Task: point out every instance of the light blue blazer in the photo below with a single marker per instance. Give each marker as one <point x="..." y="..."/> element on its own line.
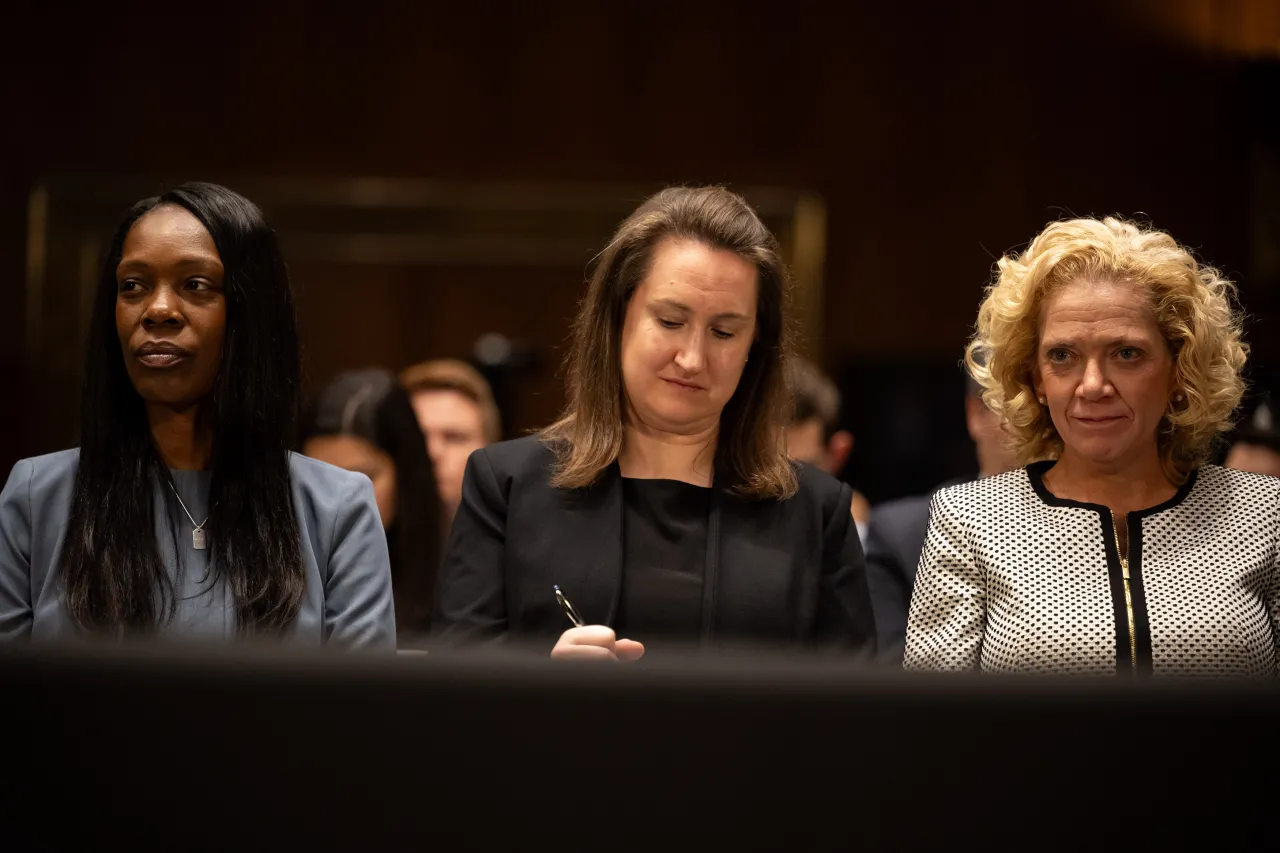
<point x="348" y="598"/>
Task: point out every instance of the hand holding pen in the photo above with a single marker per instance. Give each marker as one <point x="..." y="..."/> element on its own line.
<point x="597" y="642"/>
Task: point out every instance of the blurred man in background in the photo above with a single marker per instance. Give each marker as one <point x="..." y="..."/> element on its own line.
<point x="1257" y="444"/>
<point x="458" y="415"/>
<point x="895" y="534"/>
<point x="814" y="435"/>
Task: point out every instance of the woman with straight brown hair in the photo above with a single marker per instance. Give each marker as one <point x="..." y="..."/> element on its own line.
<point x="662" y="504"/>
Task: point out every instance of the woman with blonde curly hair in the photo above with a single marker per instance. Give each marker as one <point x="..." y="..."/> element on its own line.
<point x="1114" y="360"/>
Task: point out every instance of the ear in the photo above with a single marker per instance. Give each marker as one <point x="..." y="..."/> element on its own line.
<point x="838" y="450"/>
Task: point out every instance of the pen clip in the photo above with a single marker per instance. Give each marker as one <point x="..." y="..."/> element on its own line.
<point x="567" y="606"/>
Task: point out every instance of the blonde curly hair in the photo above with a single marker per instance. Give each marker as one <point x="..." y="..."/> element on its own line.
<point x="1195" y="309"/>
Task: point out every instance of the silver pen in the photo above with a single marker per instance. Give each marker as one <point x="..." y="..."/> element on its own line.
<point x="569" y="610"/>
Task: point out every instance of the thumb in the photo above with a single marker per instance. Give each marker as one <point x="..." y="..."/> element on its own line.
<point x="628" y="650"/>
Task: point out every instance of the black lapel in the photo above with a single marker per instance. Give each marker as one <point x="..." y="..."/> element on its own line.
<point x="711" y="574"/>
<point x="592" y="548"/>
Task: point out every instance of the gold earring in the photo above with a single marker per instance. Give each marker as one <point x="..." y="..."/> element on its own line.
<point x="1042" y="400"/>
<point x="1179" y="397"/>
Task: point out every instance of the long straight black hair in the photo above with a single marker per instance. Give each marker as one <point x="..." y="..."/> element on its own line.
<point x="111" y="565"/>
<point x="373" y="405"/>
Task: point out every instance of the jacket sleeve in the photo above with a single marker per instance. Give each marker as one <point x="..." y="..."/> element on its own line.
<point x="359" y="610"/>
<point x="15" y="555"/>
<point x="948" y="614"/>
<point x="1273" y="607"/>
<point x="471" y="592"/>
<point x="844" y="618"/>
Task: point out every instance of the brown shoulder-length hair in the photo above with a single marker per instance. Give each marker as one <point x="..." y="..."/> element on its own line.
<point x="751" y="457"/>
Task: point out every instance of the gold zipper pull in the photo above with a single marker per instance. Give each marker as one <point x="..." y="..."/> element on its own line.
<point x="1128" y="593"/>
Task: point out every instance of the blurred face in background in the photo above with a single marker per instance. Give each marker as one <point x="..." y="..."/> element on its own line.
<point x="685" y="337"/>
<point x="454" y="428"/>
<point x="990" y="441"/>
<point x="807" y="442"/>
<point x="356" y="454"/>
<point x="1257" y="458"/>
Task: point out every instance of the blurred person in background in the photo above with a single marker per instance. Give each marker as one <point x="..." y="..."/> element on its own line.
<point x="662" y="503"/>
<point x="457" y="414"/>
<point x="814" y="435"/>
<point x="363" y="422"/>
<point x="183" y="513"/>
<point x="895" y="534"/>
<point x="1114" y="359"/>
<point x="1256" y="446"/>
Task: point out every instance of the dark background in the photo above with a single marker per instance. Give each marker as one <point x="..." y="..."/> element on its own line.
<point x="939" y="136"/>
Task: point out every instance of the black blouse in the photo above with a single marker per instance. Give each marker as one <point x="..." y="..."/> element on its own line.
<point x="664" y="557"/>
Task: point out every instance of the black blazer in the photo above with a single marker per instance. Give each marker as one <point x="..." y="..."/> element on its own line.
<point x="786" y="573"/>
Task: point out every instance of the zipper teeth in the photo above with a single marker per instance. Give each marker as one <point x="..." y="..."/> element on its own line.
<point x="1128" y="597"/>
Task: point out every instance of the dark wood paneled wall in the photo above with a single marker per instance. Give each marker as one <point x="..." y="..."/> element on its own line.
<point x="940" y="135"/>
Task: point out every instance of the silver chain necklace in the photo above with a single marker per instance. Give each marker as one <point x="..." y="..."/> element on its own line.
<point x="197" y="535"/>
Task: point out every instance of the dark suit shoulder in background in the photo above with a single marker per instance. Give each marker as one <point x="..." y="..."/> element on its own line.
<point x="895" y="538"/>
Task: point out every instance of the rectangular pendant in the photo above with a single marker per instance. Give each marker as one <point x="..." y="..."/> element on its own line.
<point x="197" y="539"/>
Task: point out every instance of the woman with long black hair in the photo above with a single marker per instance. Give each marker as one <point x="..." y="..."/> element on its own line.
<point x="363" y="421"/>
<point x="183" y="512"/>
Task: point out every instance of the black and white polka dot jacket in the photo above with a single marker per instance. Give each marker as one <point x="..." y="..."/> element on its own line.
<point x="1014" y="579"/>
